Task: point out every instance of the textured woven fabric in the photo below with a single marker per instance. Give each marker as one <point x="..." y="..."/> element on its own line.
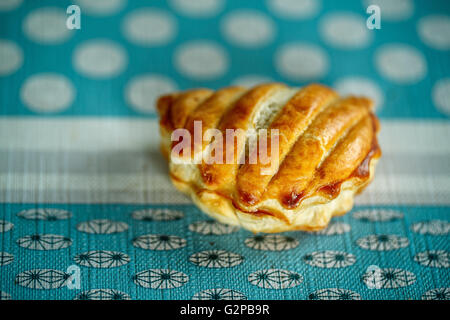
<point x="294" y="265"/>
<point x="87" y="210"/>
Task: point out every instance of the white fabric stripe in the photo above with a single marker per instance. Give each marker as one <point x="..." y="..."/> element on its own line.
<point x="138" y="188"/>
<point x="420" y="136"/>
<point x="78" y="134"/>
<point x="150" y="162"/>
<point x="106" y="160"/>
<point x="87" y="188"/>
<point x="93" y="134"/>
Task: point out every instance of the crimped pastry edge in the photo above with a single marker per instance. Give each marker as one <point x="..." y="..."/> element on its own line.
<point x="312" y="214"/>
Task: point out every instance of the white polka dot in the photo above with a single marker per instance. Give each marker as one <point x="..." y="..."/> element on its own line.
<point x="301" y="61"/>
<point x="198" y="8"/>
<point x="295" y="9"/>
<point x="149" y="27"/>
<point x="360" y="86"/>
<point x="142" y="91"/>
<point x="435" y="31"/>
<point x="248" y="28"/>
<point x="101" y="7"/>
<point x="345" y="30"/>
<point x="7" y="5"/>
<point x="47" y="92"/>
<point x="47" y="26"/>
<point x="401" y="63"/>
<point x="251" y="80"/>
<point x="201" y="60"/>
<point x="393" y="10"/>
<point x="11" y="57"/>
<point x="99" y="58"/>
<point x="441" y="95"/>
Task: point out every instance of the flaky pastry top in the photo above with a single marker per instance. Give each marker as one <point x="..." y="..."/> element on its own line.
<point x="324" y="140"/>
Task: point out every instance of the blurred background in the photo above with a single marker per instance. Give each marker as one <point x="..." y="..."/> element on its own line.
<point x="126" y="53"/>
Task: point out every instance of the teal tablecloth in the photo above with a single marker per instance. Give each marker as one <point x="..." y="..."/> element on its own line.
<point x="87" y="210"/>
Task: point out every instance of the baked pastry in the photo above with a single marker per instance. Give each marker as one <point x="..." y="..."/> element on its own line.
<point x="326" y="153"/>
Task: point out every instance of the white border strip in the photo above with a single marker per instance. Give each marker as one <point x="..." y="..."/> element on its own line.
<point x="93" y="134"/>
<point x="135" y="188"/>
<point x="102" y="146"/>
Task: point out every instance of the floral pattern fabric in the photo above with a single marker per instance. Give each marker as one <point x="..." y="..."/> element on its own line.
<point x="125" y="256"/>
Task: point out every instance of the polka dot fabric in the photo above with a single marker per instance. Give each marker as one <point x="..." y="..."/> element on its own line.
<point x="137" y="50"/>
<point x="86" y="189"/>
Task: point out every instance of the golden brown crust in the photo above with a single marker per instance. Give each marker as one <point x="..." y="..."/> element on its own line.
<point x="295" y="174"/>
<point x="222" y="176"/>
<point x="327" y="153"/>
<point x="212" y="110"/>
<point x="185" y="103"/>
<point x="163" y="106"/>
<point x="292" y="120"/>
